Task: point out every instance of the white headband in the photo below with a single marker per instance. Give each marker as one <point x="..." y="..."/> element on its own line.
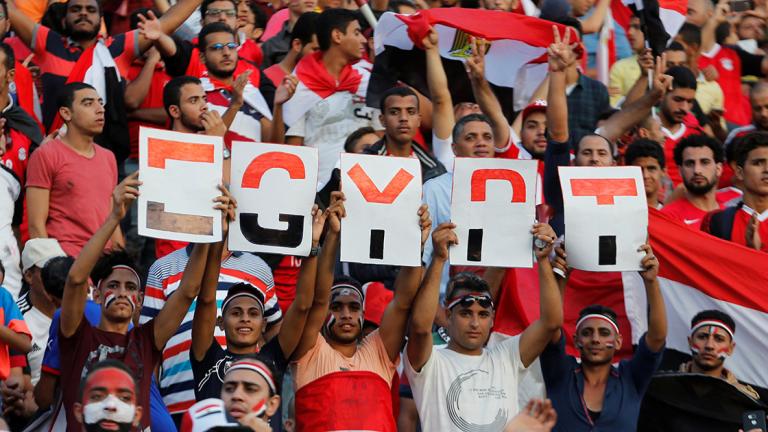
<point x="598" y="316"/>
<point x="715" y="323"/>
<point x="255" y="367"/>
<point x="124" y="267"/>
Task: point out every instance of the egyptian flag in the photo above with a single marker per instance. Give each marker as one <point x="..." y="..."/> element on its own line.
<point x="316" y="84"/>
<point x="515" y="59"/>
<point x="661" y="19"/>
<point x="697" y="272"/>
<point x="97" y="68"/>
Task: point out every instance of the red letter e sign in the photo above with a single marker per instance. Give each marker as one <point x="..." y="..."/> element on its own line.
<point x="179" y="174"/>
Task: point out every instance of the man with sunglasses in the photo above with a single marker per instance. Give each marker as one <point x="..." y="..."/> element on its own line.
<point x="466" y="386"/>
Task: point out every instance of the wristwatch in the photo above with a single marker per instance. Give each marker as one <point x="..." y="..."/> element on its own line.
<point x="315" y="251"/>
<point x="227" y="153"/>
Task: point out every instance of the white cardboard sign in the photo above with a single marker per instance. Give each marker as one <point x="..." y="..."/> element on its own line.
<point x="180" y="173"/>
<point x="606" y="217"/>
<point x="494" y="207"/>
<point x="383" y="195"/>
<point x="274" y="186"/>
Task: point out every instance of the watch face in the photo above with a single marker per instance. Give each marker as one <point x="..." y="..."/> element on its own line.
<point x="227" y="153"/>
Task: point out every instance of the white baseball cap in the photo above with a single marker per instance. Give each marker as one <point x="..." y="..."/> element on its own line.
<point x="38" y="251"/>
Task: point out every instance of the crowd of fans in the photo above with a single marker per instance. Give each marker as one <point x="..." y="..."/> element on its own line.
<point x="103" y="329"/>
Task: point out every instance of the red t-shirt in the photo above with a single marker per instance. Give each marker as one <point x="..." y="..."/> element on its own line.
<point x="75" y="183"/>
<point x="275" y="74"/>
<point x="16" y="156"/>
<point x="685" y="212"/>
<point x="251" y="51"/>
<point x="90" y="345"/>
<point x="689" y="127"/>
<point x="728" y="65"/>
<point x="153" y="99"/>
<point x="286" y="274"/>
<point x="740" y="222"/>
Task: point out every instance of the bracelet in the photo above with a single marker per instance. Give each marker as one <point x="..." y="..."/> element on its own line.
<point x="315" y="251"/>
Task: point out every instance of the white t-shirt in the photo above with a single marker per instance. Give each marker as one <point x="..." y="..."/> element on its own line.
<point x="38" y="324"/>
<point x="467" y="393"/>
<point x="327" y="124"/>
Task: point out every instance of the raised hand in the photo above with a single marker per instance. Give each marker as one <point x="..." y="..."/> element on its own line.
<point x="150" y="27"/>
<point x="336" y="211"/>
<point x="238" y="87"/>
<point x="286" y="89"/>
<point x="442" y="238"/>
<point x="227" y="204"/>
<point x="561" y="52"/>
<point x="213" y="125"/>
<point x="661" y="82"/>
<point x="546" y="236"/>
<point x="475" y="64"/>
<point x="425" y="222"/>
<point x="430" y="40"/>
<point x="538" y="416"/>
<point x="318" y="223"/>
<point x="645" y="60"/>
<point x="560" y="262"/>
<point x="124" y="194"/>
<point x="650" y="263"/>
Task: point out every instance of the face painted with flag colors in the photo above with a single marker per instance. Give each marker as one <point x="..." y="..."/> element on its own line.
<point x="344" y="323"/>
<point x="249" y="387"/>
<point x="711" y="342"/>
<point x="108" y="402"/>
<point x="119" y="293"/>
<point x="597" y="338"/>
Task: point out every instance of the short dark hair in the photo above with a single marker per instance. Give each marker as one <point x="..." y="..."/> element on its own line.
<point x="690" y="34"/>
<point x="699" y="141"/>
<point x="682" y="77"/>
<point x="644" y="147"/>
<point x="599" y="310"/>
<point x="570" y="21"/>
<point x="458" y="128"/>
<point x="209" y="29"/>
<point x="134" y="18"/>
<point x="712" y="314"/>
<point x="66" y="95"/>
<point x="465" y="281"/>
<point x="722" y="31"/>
<point x="355" y="136"/>
<point x="108" y="364"/>
<point x="106" y="262"/>
<point x="305" y="27"/>
<point x="98" y="6"/>
<point x="401" y="91"/>
<point x="330" y="20"/>
<point x="206" y="3"/>
<point x="260" y="17"/>
<point x="674" y="46"/>
<point x="10" y="58"/>
<point x="54" y="275"/>
<point x="53" y="16"/>
<point x="747" y="143"/>
<point x="611" y="146"/>
<point x="393" y="5"/>
<point x="172" y="91"/>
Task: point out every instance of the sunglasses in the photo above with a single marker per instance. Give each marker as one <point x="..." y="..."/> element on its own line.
<point x="221" y="46"/>
<point x="468" y="300"/>
<point x="217" y="12"/>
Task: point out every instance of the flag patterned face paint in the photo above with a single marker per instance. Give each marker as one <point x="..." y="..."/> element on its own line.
<point x="110" y="297"/>
<point x="101" y="401"/>
<point x="705" y="331"/>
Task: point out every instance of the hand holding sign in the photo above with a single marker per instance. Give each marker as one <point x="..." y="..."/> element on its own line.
<point x="546" y="235"/>
<point x="650" y="263"/>
<point x="442" y="239"/>
<point x="125" y="194"/>
<point x="227" y="205"/>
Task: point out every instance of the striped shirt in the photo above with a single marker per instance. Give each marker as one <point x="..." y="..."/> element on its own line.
<point x="176" y="379"/>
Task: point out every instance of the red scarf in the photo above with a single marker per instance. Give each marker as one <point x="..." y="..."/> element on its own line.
<point x="312" y="73"/>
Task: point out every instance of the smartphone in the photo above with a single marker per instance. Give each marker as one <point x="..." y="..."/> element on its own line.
<point x="753" y="420"/>
<point x="740" y="5"/>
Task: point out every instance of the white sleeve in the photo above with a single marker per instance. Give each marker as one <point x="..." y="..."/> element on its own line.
<point x="299" y="128"/>
<point x="510" y="349"/>
<point x="443" y="150"/>
<point x="513" y="138"/>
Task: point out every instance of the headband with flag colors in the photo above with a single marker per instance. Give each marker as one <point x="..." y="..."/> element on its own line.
<point x="123" y="267"/>
<point x="711" y="322"/>
<point x="516" y="56"/>
<point x="257" y="367"/>
<point x="605" y="318"/>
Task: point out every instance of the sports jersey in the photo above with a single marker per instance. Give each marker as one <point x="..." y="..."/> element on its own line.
<point x="683" y="211"/>
<point x="728" y="65"/>
<point x="39" y="325"/>
<point x="729" y="196"/>
<point x="275" y="73"/>
<point x="689" y="126"/>
<point x="741" y="221"/>
<point x="10" y="317"/>
<point x="153" y="99"/>
<point x="176" y="378"/>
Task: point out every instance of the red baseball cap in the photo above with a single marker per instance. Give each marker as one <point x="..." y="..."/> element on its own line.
<point x="539" y="105"/>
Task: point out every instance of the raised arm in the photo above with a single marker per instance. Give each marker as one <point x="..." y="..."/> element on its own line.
<point x="151" y="30"/>
<point x="657" y="313"/>
<point x="419" y="347"/>
<point x="633" y="113"/>
<point x="136" y="91"/>
<point x="594" y="22"/>
<point x="176" y="307"/>
<point x="76" y="286"/>
<point x="395" y="318"/>
<point x="442" y="105"/>
<point x="484" y="96"/>
<point x="325" y="266"/>
<point x="720" y="15"/>
<point x="561" y="56"/>
<point x="22" y="25"/>
<point x="204" y="320"/>
<point x="640" y="87"/>
<point x="295" y="317"/>
<point x="538" y="335"/>
<point x="172" y="19"/>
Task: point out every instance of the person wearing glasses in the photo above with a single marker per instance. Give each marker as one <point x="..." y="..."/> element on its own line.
<point x="464" y="385"/>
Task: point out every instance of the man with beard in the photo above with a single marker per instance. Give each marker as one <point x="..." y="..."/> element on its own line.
<point x="758" y="98"/>
<point x="700" y="159"/>
<point x="343" y="380"/>
<point x="745" y="223"/>
<point x="677" y="122"/>
<point x="109" y="399"/>
<point x="57" y="55"/>
<point x="593" y="394"/>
